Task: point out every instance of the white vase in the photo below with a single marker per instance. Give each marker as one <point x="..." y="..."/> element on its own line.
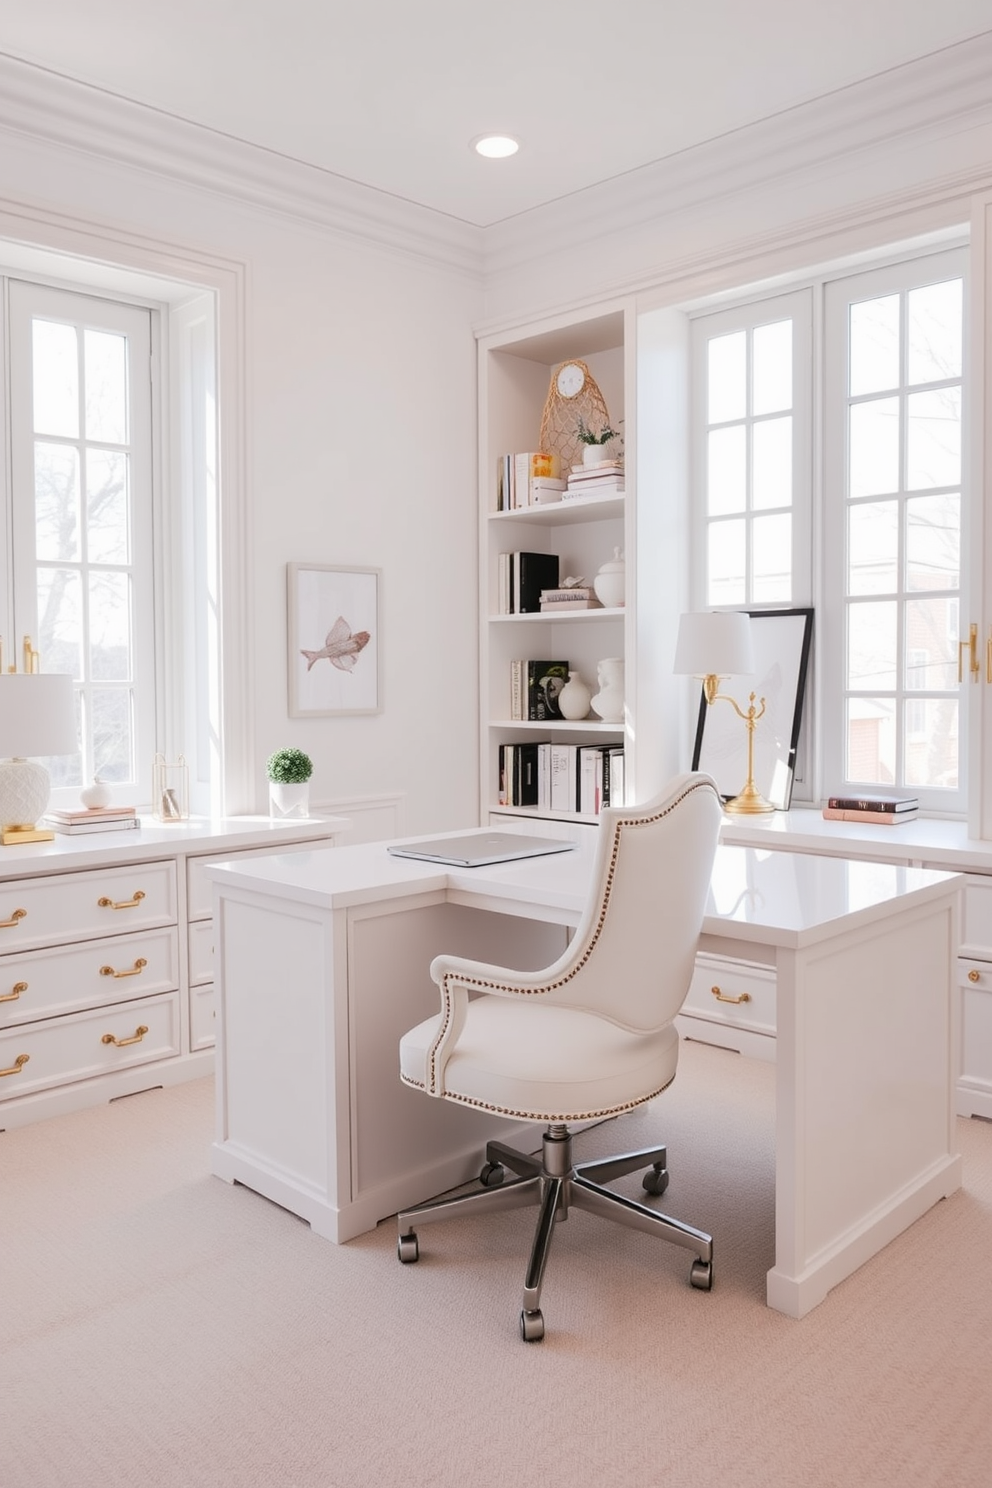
<point x="574" y="698"/>
<point x="610" y="582"/>
<point x="608" y="702"/>
<point x="289" y="802"/>
<point x="96" y="795"/>
<point x="594" y="454"/>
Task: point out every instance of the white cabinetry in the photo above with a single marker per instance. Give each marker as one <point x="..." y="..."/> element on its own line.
<point x="106" y="959"/>
<point x="515" y="375"/>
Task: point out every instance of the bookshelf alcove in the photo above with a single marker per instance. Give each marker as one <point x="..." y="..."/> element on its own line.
<point x="515" y="375"/>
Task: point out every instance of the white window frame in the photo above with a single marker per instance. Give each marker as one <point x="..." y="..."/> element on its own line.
<point x="839" y="292"/>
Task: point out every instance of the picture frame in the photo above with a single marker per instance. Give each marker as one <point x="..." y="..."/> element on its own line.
<point x="334" y="640"/>
<point x="782" y="641"/>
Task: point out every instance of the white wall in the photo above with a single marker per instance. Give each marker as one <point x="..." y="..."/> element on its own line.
<point x="358" y="445"/>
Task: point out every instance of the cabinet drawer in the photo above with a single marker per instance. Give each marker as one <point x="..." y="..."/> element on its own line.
<point x="734" y="993"/>
<point x="202" y="1017"/>
<point x="61" y="1050"/>
<point x="976" y="917"/>
<point x="975" y="1058"/>
<point x="83" y="906"/>
<point x="201" y="951"/>
<point x="66" y="979"/>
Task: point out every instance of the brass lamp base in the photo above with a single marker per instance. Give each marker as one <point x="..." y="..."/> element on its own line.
<point x="750" y="802"/>
<point x="11" y="836"/>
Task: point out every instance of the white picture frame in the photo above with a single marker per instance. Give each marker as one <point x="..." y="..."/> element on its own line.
<point x="781" y="640"/>
<point x="335" y="652"/>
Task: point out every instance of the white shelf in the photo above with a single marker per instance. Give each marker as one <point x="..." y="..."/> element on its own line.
<point x="561" y="513"/>
<point x="558" y="725"/>
<point x="555" y="618"/>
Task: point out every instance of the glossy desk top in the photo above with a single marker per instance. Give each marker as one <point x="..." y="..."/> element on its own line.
<point x="770" y="898"/>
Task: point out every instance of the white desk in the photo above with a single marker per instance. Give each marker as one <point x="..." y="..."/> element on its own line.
<point x="322" y="965"/>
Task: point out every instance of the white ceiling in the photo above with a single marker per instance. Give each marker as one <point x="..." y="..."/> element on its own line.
<point x="391" y="92"/>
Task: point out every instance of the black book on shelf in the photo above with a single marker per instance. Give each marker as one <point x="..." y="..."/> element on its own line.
<point x="532" y="572"/>
<point x="545" y="680"/>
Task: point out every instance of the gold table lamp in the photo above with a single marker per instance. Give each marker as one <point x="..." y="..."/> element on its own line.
<point x="714" y="645"/>
<point x="37" y="717"/>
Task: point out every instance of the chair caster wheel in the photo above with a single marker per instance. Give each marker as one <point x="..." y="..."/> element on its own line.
<point x="408" y="1248"/>
<point x="492" y="1175"/>
<point x="655" y="1180"/>
<point x="701" y="1275"/>
<point x="532" y="1326"/>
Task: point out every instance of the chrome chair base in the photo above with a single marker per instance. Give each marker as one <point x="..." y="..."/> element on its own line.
<point x="554" y="1184"/>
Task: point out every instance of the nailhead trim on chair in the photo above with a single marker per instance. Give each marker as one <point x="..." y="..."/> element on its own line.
<point x="468" y="1100"/>
<point x="478" y="984"/>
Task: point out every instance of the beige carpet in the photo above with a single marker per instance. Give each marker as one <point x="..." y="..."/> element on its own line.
<point x="161" y="1329"/>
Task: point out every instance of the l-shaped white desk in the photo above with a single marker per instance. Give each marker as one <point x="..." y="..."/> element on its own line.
<point x="322" y="963"/>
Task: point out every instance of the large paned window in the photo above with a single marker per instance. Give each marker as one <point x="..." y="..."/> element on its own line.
<point x="827" y="442"/>
<point x="78" y="575"/>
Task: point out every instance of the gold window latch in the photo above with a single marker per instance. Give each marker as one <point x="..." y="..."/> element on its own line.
<point x="971" y="646"/>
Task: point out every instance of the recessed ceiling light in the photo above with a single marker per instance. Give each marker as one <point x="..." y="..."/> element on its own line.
<point x="496" y="146"/>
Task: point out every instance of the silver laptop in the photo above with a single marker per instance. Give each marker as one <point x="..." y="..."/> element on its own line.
<point x="473" y="851"/>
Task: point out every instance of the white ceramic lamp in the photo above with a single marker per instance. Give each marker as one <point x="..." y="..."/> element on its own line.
<point x="717" y="644"/>
<point x="37" y="717"/>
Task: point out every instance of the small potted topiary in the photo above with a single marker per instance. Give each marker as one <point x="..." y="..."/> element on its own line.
<point x="289" y="772"/>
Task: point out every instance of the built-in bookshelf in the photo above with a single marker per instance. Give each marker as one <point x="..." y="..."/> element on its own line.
<point x="583" y="532"/>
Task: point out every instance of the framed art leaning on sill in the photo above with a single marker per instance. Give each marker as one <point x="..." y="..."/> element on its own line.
<point x="334" y="640"/>
<point x="781" y="641"/>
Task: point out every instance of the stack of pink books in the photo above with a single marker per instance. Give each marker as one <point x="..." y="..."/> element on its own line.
<point x="94" y="819"/>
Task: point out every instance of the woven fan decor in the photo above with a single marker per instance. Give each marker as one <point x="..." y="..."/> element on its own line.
<point x="560" y="420"/>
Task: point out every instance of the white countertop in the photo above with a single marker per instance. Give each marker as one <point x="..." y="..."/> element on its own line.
<point x="779" y="898"/>
<point x="155" y="839"/>
<point x="930" y="840"/>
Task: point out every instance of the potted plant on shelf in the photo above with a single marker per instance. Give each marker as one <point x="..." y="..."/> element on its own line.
<point x="289" y="772"/>
<point x="593" y="452"/>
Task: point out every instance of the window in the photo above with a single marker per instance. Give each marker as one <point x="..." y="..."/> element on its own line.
<point x="870" y="533"/>
<point x="752" y="448"/>
<point x="79" y="572"/>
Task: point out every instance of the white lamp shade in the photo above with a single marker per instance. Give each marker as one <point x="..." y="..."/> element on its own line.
<point x="37" y="715"/>
<point x="716" y="643"/>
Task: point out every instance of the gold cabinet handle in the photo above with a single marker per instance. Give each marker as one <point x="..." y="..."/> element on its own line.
<point x="106" y="903"/>
<point x="971" y="646"/>
<point x="17" y="1066"/>
<point x="15" y="992"/>
<point x="744" y="997"/>
<point x="139" y="1033"/>
<point x="136" y="969"/>
<point x="974" y="976"/>
<point x="19" y="914"/>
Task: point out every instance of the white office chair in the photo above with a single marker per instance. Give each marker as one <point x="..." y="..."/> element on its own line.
<point x="589" y="1037"/>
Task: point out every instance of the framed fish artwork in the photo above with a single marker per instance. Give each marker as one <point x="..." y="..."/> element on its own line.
<point x="334" y="647"/>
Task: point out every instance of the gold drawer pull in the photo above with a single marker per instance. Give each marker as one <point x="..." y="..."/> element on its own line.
<point x="744" y="997"/>
<point x="139" y="1033"/>
<point x="974" y="976"/>
<point x="136" y="969"/>
<point x="17" y="1066"/>
<point x="19" y="914"/>
<point x="106" y="903"/>
<point x="15" y="992"/>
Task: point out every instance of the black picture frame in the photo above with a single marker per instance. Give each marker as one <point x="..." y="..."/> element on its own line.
<point x="782" y="641"/>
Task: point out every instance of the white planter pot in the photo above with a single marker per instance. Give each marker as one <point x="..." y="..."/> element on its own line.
<point x="289" y="802"/>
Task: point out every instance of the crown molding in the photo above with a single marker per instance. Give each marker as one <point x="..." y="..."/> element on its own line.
<point x="941" y="94"/>
<point x="45" y="106"/>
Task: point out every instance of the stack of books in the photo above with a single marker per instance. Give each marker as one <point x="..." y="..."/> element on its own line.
<point x="528" y="479"/>
<point x="96" y="819"/>
<point x="604" y="479"/>
<point x="521" y="579"/>
<point x="573" y="779"/>
<point x="534" y="689"/>
<point x="884" y="809"/>
<point x="575" y="597"/>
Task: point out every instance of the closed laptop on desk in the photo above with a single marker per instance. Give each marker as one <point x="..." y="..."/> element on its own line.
<point x="474" y="851"/>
